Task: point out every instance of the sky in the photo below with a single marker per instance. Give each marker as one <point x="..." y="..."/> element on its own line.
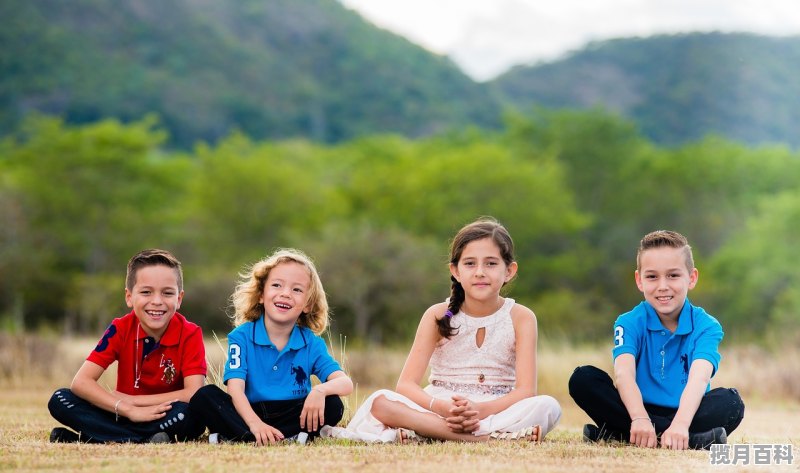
<point x="486" y="37"/>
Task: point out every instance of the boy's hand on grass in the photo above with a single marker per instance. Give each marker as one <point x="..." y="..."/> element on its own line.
<point x="676" y="437"/>
<point x="643" y="434"/>
<point x="265" y="434"/>
<point x="313" y="415"/>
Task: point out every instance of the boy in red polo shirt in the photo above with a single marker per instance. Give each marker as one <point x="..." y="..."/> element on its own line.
<point x="161" y="363"/>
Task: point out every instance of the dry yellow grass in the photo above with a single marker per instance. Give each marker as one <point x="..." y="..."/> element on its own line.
<point x="772" y="417"/>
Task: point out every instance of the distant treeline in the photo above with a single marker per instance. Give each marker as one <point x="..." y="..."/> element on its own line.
<point x="576" y="190"/>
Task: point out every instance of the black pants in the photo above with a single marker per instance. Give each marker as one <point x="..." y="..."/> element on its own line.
<point x="594" y="392"/>
<point x="96" y="425"/>
<point x="216" y="407"/>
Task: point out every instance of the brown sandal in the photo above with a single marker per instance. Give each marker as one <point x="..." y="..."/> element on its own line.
<point x="528" y="434"/>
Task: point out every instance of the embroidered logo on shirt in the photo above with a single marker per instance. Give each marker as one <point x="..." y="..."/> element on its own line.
<point x="685" y="361"/>
<point x="300" y="376"/>
<point x="169" y="370"/>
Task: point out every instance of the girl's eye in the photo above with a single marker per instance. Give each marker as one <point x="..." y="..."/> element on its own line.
<point x="297" y="289"/>
<point x="275" y="285"/>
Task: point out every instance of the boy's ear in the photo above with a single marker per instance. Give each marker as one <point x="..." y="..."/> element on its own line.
<point x="128" y="298"/>
<point x="180" y="299"/>
<point x="638" y="278"/>
<point x="693" y="276"/>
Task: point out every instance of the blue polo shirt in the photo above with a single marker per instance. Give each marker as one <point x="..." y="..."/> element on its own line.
<point x="663" y="358"/>
<point x="272" y="375"/>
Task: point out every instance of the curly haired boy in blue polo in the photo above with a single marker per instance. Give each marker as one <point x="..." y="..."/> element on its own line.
<point x="665" y="353"/>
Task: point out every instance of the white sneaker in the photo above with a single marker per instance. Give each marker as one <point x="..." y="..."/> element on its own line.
<point x="213" y="438"/>
<point x="300" y="438"/>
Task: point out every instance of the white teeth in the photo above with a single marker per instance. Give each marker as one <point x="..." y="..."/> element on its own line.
<point x="283" y="306"/>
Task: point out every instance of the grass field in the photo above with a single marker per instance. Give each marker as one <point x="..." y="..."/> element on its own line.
<point x="772" y="416"/>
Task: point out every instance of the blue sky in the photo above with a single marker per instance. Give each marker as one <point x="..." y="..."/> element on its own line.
<point x="486" y="37"/>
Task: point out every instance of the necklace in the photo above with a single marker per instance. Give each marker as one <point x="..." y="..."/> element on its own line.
<point x="137" y="375"/>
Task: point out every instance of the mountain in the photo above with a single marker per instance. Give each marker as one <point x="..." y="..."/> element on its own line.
<point x="278" y="69"/>
<point x="270" y="68"/>
<point x="677" y="88"/>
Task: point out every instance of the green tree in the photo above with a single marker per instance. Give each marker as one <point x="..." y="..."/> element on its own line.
<point x="754" y="277"/>
<point x="82" y="200"/>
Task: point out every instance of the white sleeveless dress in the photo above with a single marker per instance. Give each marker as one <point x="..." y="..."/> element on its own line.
<point x="459" y="366"/>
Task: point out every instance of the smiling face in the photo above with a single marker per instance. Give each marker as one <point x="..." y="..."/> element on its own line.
<point x="154" y="298"/>
<point x="665" y="280"/>
<point x="285" y="293"/>
<point x="482" y="271"/>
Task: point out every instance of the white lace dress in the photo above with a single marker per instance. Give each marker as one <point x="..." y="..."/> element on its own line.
<point x="459" y="366"/>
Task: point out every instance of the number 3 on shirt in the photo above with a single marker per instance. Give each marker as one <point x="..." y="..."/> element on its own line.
<point x="618" y="331"/>
<point x="234" y="353"/>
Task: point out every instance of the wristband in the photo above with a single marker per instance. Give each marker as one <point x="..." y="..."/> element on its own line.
<point x="430" y="406"/>
<point x="640" y="418"/>
<point x="116" y="410"/>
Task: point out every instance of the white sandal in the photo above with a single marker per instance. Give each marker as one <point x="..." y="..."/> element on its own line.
<point x="409" y="437"/>
<point x="529" y="434"/>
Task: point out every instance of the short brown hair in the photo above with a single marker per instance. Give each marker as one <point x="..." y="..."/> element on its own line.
<point x="152" y="257"/>
<point x="665" y="238"/>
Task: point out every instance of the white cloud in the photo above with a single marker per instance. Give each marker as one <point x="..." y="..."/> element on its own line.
<point x="486" y="37"/>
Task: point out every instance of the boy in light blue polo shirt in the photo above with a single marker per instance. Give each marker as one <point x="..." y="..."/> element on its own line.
<point x="665" y="353"/>
<point x="280" y="310"/>
<point x="272" y="374"/>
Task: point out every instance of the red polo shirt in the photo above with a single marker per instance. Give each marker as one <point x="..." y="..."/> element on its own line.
<point x="179" y="353"/>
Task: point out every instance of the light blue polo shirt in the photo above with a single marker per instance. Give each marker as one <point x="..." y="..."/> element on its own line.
<point x="663" y="358"/>
<point x="270" y="375"/>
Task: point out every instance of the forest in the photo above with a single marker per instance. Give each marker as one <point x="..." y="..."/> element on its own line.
<point x="221" y="130"/>
<point x="576" y="189"/>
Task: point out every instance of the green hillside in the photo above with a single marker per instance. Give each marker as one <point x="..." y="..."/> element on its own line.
<point x="270" y="68"/>
<point x="277" y="69"/>
<point x="677" y="88"/>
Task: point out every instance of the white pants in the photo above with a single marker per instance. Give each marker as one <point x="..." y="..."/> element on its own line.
<point x="539" y="410"/>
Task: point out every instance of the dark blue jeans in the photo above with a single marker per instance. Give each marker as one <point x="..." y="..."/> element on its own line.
<point x="595" y="393"/>
<point x="96" y="425"/>
<point x="216" y="407"/>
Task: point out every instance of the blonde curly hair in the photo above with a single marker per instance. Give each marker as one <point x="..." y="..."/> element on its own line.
<point x="246" y="297"/>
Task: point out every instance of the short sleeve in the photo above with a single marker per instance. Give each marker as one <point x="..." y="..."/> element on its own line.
<point x="194" y="354"/>
<point x="707" y="345"/>
<point x="108" y="348"/>
<point x="627" y="336"/>
<point x="324" y="364"/>
<point x="236" y="365"/>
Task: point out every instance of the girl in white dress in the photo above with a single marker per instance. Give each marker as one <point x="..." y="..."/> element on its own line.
<point x="481" y="348"/>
